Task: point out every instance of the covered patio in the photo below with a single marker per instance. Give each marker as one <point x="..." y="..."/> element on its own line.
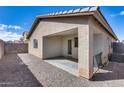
<point x="83" y="59"/>
<point x="60" y="50"/>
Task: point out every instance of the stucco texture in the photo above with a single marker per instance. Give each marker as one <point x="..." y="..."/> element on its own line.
<point x="52" y="26"/>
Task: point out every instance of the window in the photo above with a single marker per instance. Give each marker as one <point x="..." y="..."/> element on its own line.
<point x="35" y="43"/>
<point x="76" y="42"/>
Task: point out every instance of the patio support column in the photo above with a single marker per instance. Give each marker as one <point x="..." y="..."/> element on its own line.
<point x="41" y="41"/>
<point x="85" y="52"/>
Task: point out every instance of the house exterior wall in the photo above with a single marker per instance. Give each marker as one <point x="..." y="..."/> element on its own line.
<point x="35" y="51"/>
<point x="102" y="42"/>
<point x="101" y="45"/>
<point x="52" y="26"/>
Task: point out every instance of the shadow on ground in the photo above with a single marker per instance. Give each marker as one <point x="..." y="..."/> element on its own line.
<point x="113" y="71"/>
<point x="14" y="73"/>
<point x="63" y="58"/>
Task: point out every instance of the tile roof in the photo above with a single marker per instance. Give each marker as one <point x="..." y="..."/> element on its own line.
<point x="75" y="12"/>
<point x="72" y="11"/>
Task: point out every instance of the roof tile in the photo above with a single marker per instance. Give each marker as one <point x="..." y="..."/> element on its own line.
<point x="65" y="12"/>
<point x="93" y="8"/>
<point x="85" y="9"/>
<point x="77" y="10"/>
<point x="60" y="13"/>
<point x="70" y="11"/>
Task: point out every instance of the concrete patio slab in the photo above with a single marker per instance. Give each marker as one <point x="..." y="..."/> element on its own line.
<point x="68" y="65"/>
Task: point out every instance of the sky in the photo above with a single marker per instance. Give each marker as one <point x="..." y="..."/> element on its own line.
<point x="14" y="20"/>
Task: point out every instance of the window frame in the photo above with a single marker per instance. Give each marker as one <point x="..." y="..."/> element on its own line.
<point x="35" y="43"/>
<point x="76" y="42"/>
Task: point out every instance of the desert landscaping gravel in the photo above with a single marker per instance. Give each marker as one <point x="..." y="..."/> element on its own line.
<point x="27" y="70"/>
<point x="50" y="76"/>
<point x="14" y="73"/>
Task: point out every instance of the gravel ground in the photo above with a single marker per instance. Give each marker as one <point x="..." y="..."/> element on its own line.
<point x="51" y="76"/>
<point x="14" y="73"/>
<point x="25" y="70"/>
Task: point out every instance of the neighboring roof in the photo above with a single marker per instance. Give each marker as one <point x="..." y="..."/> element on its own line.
<point x="94" y="11"/>
<point x="26" y="32"/>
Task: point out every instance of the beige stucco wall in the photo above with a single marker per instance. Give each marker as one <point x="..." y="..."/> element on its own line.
<point x="102" y="41"/>
<point x="98" y="43"/>
<point x="52" y="46"/>
<point x="1" y="49"/>
<point x="65" y="46"/>
<point x="85" y="51"/>
<point x="101" y="44"/>
<point x="35" y="51"/>
<point x="52" y="26"/>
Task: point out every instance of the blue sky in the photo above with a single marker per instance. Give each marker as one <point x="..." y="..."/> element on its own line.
<point x="15" y="20"/>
